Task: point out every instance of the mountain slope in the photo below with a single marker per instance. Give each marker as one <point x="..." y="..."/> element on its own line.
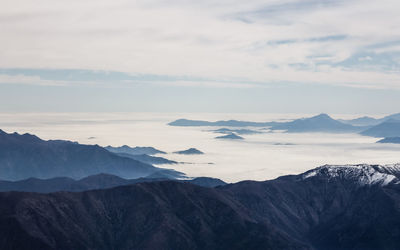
<point x="160" y="215"/>
<point x="370" y="121"/>
<point x="231" y="136"/>
<point x="389" y="128"/>
<point x="25" y="156"/>
<point x="330" y="207"/>
<point x="395" y="140"/>
<point x="148" y="158"/>
<point x="134" y="151"/>
<point x="319" y="123"/>
<point x="190" y="151"/>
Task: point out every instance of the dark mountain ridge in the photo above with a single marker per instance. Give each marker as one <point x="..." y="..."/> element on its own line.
<point x="99" y="181"/>
<point x="330" y="207"/>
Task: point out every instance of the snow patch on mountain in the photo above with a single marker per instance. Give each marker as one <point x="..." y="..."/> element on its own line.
<point x="364" y="174"/>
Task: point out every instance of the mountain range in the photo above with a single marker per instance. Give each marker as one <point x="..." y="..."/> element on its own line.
<point x="330" y="207"/>
<point x="388" y="126"/>
<point x="24" y="155"/>
<point x="318" y="123"/>
<point x="99" y="181"/>
<point x="370" y="121"/>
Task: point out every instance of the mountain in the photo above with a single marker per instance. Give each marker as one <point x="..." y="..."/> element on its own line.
<point x="190" y="151"/>
<point x="231" y="136"/>
<point x="99" y="181"/>
<point x="370" y="121"/>
<point x="330" y="207"/>
<point x="319" y="123"/>
<point x="392" y="117"/>
<point x="134" y="151"/>
<point x="389" y="128"/>
<point x="206" y="182"/>
<point x="363" y="121"/>
<point x="25" y="156"/>
<point x="148" y="159"/>
<point x="236" y="131"/>
<point x="230" y="123"/>
<point x="395" y="140"/>
<point x="158" y="215"/>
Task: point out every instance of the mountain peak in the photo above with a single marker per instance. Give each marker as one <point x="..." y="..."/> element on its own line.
<point x="190" y="151"/>
<point x="364" y="174"/>
<point x="322" y="116"/>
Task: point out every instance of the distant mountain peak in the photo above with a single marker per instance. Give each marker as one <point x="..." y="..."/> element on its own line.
<point x="322" y="116"/>
<point x="363" y="174"/>
<point x="231" y="136"/>
<point x="190" y="151"/>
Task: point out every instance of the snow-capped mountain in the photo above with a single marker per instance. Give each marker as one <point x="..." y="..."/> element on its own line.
<point x="363" y="174"/>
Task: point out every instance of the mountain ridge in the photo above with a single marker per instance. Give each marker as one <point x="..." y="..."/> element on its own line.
<point x="24" y="156"/>
<point x="330" y="209"/>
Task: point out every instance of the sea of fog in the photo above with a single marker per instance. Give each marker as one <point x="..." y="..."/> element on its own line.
<point x="258" y="157"/>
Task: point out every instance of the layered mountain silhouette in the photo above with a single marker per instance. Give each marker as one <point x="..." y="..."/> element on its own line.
<point x="319" y="123"/>
<point x="100" y="181"/>
<point x="370" y="121"/>
<point x="148" y="158"/>
<point x="142" y="154"/>
<point x="25" y="156"/>
<point x="331" y="207"/>
<point x="125" y="149"/>
<point x="389" y="128"/>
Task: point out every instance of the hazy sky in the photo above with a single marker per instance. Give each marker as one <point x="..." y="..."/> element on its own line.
<point x="183" y="55"/>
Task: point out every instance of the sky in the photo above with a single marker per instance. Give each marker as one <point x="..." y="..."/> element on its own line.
<point x="305" y="56"/>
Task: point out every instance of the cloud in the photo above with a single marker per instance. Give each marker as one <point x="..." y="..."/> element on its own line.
<point x="220" y="41"/>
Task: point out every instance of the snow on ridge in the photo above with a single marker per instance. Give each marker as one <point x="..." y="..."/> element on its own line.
<point x="364" y="174"/>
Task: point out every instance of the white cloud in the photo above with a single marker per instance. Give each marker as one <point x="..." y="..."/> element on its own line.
<point x="227" y="39"/>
